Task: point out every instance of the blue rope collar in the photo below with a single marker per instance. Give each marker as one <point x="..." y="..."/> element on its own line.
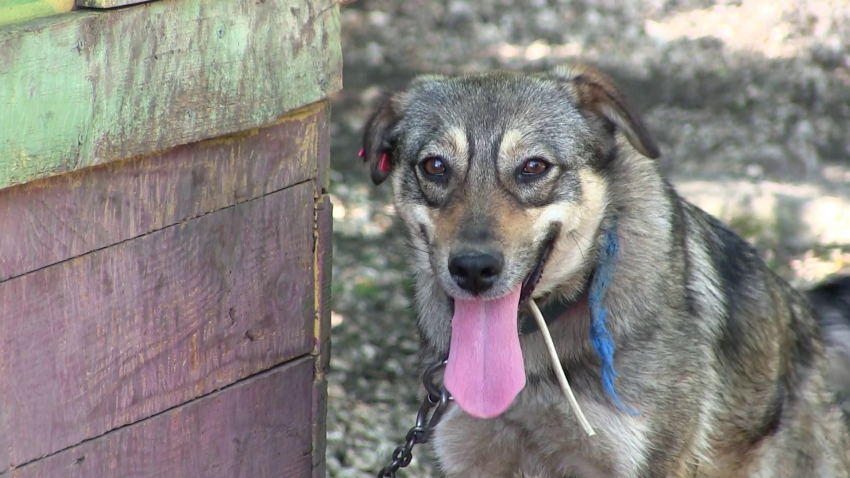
<point x="600" y="337"/>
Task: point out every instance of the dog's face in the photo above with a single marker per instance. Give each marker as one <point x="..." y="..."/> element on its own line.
<point x="497" y="175"/>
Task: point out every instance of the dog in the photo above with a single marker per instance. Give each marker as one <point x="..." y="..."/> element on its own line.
<point x="543" y="186"/>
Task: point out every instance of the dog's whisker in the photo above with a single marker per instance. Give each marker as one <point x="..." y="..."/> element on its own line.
<point x="573" y="235"/>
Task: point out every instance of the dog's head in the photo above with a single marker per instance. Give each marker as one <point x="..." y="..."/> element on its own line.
<point x="497" y="174"/>
<point x="501" y="181"/>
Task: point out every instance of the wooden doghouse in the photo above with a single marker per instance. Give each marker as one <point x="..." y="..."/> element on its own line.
<point x="165" y="237"/>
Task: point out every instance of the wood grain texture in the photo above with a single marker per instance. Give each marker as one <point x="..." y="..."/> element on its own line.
<point x="324" y="260"/>
<point x="17" y="11"/>
<point x="122" y="333"/>
<point x="319" y="428"/>
<point x="48" y="221"/>
<point x="109" y="3"/>
<point x="323" y="179"/>
<point x="259" y="428"/>
<point x="322" y="332"/>
<point x="90" y="87"/>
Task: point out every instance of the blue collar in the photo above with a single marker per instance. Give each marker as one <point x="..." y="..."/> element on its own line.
<point x="600" y="337"/>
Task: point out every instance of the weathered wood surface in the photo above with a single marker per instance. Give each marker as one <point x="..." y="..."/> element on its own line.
<point x="259" y="428"/>
<point x="17" y="11"/>
<point x="319" y="428"/>
<point x="52" y="220"/>
<point x="324" y="257"/>
<point x="322" y="333"/>
<point x="323" y="161"/>
<point x="122" y="333"/>
<point x="109" y="3"/>
<point x="89" y="87"/>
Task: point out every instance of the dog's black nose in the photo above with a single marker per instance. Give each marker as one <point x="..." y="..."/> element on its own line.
<point x="475" y="271"/>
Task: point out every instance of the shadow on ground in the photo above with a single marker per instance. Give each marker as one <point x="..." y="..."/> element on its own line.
<point x="749" y="102"/>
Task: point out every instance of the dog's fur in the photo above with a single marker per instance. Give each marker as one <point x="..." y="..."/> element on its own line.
<point x="724" y="360"/>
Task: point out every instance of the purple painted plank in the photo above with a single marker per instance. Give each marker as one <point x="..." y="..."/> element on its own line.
<point x="259" y="428"/>
<point x="49" y="221"/>
<point x="323" y="153"/>
<point x="125" y="332"/>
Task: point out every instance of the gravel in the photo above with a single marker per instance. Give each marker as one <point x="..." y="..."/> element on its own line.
<point x="748" y="100"/>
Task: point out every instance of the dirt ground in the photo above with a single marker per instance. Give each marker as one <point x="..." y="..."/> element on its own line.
<point x="748" y="100"/>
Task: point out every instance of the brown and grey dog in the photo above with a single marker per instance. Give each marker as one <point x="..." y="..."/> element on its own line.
<point x="508" y="185"/>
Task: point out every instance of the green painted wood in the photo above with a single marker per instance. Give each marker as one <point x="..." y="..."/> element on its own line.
<point x="108" y="3"/>
<point x="90" y="87"/>
<point x="17" y="11"/>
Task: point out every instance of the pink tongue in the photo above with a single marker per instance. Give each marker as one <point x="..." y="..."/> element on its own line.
<point x="485" y="370"/>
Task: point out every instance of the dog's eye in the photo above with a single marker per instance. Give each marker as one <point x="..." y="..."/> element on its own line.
<point x="433" y="166"/>
<point x="534" y="167"/>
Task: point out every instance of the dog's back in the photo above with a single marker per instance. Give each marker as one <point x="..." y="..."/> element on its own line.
<point x="773" y="353"/>
<point x="831" y="305"/>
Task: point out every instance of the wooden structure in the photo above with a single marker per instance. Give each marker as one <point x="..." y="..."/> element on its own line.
<point x="165" y="237"/>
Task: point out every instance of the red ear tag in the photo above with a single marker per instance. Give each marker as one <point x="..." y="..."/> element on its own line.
<point x="360" y="153"/>
<point x="385" y="163"/>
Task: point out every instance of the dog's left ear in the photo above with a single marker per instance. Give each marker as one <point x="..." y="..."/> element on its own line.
<point x="377" y="142"/>
<point x="594" y="92"/>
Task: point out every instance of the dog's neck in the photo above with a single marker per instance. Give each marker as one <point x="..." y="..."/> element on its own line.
<point x="553" y="309"/>
<point x="591" y="297"/>
<point x="557" y="305"/>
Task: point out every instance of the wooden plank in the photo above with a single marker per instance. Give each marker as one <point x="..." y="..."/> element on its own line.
<point x="120" y="334"/>
<point x="322" y="332"/>
<point x="323" y="179"/>
<point x="17" y="11"/>
<point x="322" y="268"/>
<point x="52" y="220"/>
<point x="108" y="3"/>
<point x="90" y="87"/>
<point x="259" y="428"/>
<point x="319" y="428"/>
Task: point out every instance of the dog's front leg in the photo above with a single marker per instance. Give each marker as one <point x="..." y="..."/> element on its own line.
<point x="474" y="448"/>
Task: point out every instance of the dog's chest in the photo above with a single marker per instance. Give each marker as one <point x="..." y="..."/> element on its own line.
<point x="540" y="437"/>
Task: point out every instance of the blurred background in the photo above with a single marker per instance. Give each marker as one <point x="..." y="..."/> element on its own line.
<point x="748" y="100"/>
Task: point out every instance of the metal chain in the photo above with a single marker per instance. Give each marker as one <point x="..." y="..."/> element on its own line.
<point x="437" y="398"/>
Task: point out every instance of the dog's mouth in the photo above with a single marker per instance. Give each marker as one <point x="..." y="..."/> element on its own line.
<point x="485" y="369"/>
<point x="533" y="277"/>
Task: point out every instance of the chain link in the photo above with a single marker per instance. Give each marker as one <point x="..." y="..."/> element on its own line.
<point x="436" y="398"/>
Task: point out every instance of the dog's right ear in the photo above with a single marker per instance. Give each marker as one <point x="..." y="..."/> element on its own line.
<point x="377" y="149"/>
